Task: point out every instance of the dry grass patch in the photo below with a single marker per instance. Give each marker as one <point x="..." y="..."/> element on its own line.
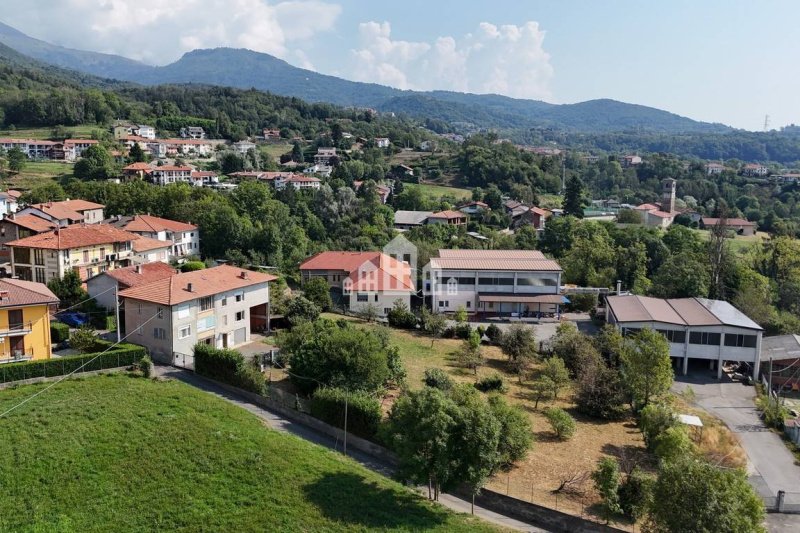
<point x="716" y="442"/>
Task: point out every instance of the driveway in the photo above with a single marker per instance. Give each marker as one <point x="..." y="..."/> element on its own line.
<point x="770" y="466"/>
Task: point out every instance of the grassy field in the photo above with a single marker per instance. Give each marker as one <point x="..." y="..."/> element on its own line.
<point x="551" y="201"/>
<point x="121" y="453"/>
<point x="36" y="173"/>
<point x="275" y="151"/>
<point x="75" y="132"/>
<point x="739" y="243"/>
<point x="534" y="478"/>
<point x="437" y="191"/>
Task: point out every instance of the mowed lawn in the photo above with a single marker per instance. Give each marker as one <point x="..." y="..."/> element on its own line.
<point x="83" y="131"/>
<point x="739" y="243"/>
<point x="435" y="192"/>
<point x="37" y="173"/>
<point x="122" y="453"/>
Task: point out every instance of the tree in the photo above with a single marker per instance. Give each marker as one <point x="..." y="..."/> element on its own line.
<point x="606" y="481"/>
<point x="516" y="434"/>
<point x="575" y="197"/>
<point x="557" y="372"/>
<point x="16" y="159"/>
<point x="368" y="312"/>
<point x="192" y="266"/>
<point x="68" y="289"/>
<point x="136" y="154"/>
<point x="317" y="291"/>
<point x="562" y="423"/>
<point x="646" y="366"/>
<point x="438" y="379"/>
<point x="460" y="316"/>
<point x="400" y="316"/>
<point x="575" y="348"/>
<point x="470" y="353"/>
<point x="433" y="324"/>
<point x="519" y="344"/>
<point x="681" y="276"/>
<point x="297" y="153"/>
<point x="300" y="308"/>
<point x="95" y="164"/>
<point x="83" y="339"/>
<point x="692" y="495"/>
<point x="231" y="162"/>
<point x="635" y="493"/>
<point x="542" y="388"/>
<point x="629" y="216"/>
<point x="600" y="392"/>
<point x="673" y="444"/>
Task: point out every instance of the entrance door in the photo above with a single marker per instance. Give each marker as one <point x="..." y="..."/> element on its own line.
<point x="239" y="336"/>
<point x="17" y="346"/>
<point x="15" y="319"/>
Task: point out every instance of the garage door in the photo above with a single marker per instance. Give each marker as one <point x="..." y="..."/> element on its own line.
<point x="239" y="336"/>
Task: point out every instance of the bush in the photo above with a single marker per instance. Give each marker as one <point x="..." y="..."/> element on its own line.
<point x="634" y="493"/>
<point x="59" y="332"/>
<point x="673" y="444"/>
<point x="400" y="316"/>
<point x="462" y="331"/>
<point x="774" y="414"/>
<point x="146" y="366"/>
<point x="583" y="302"/>
<point x="437" y="379"/>
<point x="191" y="266"/>
<point x="300" y="308"/>
<point x="84" y="339"/>
<point x="363" y="410"/>
<point x="121" y="355"/>
<point x="562" y="423"/>
<point x="227" y="366"/>
<point x="493" y="383"/>
<point x="654" y="420"/>
<point x="494" y="333"/>
<point x="316" y="290"/>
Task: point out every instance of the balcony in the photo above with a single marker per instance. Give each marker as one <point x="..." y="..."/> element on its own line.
<point x="16" y="356"/>
<point x="16" y="329"/>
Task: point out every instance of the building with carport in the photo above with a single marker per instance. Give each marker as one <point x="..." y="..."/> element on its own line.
<point x="695" y="328"/>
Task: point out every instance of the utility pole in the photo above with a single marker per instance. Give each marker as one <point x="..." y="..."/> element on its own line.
<point x="116" y="310"/>
<point x="345" y="425"/>
<point x="769" y="392"/>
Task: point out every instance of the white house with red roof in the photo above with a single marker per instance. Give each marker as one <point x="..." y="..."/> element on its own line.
<point x="67" y="212"/>
<point x="166" y="174"/>
<point x="363" y="278"/>
<point x="182" y="238"/>
<point x="105" y="286"/>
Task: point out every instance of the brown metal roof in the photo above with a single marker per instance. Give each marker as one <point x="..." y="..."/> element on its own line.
<point x="693" y="313"/>
<point x="495" y="264"/>
<point x="643" y="309"/>
<point x="492" y="254"/>
<point x="680" y="311"/>
<point x="20" y="293"/>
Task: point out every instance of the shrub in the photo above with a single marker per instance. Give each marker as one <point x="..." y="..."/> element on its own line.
<point x="774" y="413"/>
<point x="83" y="339"/>
<point x="673" y="444"/>
<point x="562" y="423"/>
<point x="400" y="316"/>
<point x="462" y="331"/>
<point x="437" y="379"/>
<point x="227" y="366"/>
<point x="493" y="383"/>
<point x="634" y="493"/>
<point x="449" y="332"/>
<point x="59" y="332"/>
<point x="494" y="333"/>
<point x="191" y="266"/>
<point x="317" y="291"/>
<point x="654" y="420"/>
<point x="300" y="308"/>
<point x="363" y="410"/>
<point x="146" y="366"/>
<point x="582" y="302"/>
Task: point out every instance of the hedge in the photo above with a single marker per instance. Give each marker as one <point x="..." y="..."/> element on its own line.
<point x="59" y="332"/>
<point x="227" y="366"/>
<point x="363" y="411"/>
<point x="121" y="355"/>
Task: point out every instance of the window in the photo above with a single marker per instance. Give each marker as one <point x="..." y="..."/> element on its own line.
<point x="444" y="303"/>
<point x="224" y="301"/>
<point x="183" y="311"/>
<point x="365" y="298"/>
<point x="224" y="320"/>
<point x="40" y="277"/>
<point x="704" y="337"/>
<point x="495" y="281"/>
<point x="86" y="256"/>
<point x="239" y="316"/>
<point x="185" y="331"/>
<point x="627" y="332"/>
<point x="160" y="312"/>
<point x="239" y="296"/>
<point x="386" y="310"/>
<point x="206" y="303"/>
<point x="159" y="333"/>
<point x="140" y="308"/>
<point x="740" y="341"/>
<point x="676" y="336"/>
<point x="38" y="256"/>
<point x="469" y="304"/>
<point x="376" y="297"/>
<point x="204" y="324"/>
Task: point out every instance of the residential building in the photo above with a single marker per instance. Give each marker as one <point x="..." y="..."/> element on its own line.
<point x="493" y="282"/>
<point x="9" y="202"/>
<point x="183" y="147"/>
<point x="147" y="250"/>
<point x="271" y="134"/>
<point x="244" y="146"/>
<point x="449" y="217"/>
<point x="713" y="169"/>
<point x="193" y="132"/>
<point x="14" y="226"/>
<point x="382" y="142"/>
<point x="695" y="328"/>
<point x="67" y="212"/>
<point x="738" y="225"/>
<point x="249" y="174"/>
<point x="362" y="279"/>
<point x="203" y="178"/>
<point x="325" y="156"/>
<point x="753" y="170"/>
<point x="146" y="132"/>
<point x="781" y="357"/>
<point x="298" y="182"/>
<point x="87" y="249"/>
<point x="122" y="131"/>
<point x="183" y="237"/>
<point x="33" y="148"/>
<point x="25" y="309"/>
<point x="105" y="286"/>
<point x="383" y="191"/>
<point x="322" y="170"/>
<point x="427" y="146"/>
<point x="74" y="148"/>
<point x="591" y="159"/>
<point x="137" y="170"/>
<point x="220" y="306"/>
<point x="630" y="161"/>
<point x="405" y="220"/>
<point x="474" y="208"/>
<point x="164" y="175"/>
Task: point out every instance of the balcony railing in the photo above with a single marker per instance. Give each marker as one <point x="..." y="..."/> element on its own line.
<point x="16" y="329"/>
<point x="16" y="356"/>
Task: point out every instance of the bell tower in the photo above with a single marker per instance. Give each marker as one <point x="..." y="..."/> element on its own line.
<point x="668" y="195"/>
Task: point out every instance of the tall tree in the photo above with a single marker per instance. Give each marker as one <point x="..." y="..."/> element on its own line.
<point x="575" y="197"/>
<point x="16" y="159"/>
<point x="646" y="366"/>
<point x="95" y="164"/>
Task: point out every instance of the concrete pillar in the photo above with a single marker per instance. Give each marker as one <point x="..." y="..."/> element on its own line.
<point x="685" y="364"/>
<point x="719" y="369"/>
<point x="711" y="364"/>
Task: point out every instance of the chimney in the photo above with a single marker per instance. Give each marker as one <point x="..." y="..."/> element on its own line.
<point x="243" y="274"/>
<point x="619" y="286"/>
<point x="189" y="287"/>
<point x="138" y="269"/>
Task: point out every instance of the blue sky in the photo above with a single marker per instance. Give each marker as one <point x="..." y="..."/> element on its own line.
<point x="722" y="61"/>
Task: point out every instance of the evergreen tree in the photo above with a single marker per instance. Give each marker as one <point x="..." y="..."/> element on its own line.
<point x="575" y="197"/>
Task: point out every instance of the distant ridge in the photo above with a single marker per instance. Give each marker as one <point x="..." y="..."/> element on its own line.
<point x="247" y="69"/>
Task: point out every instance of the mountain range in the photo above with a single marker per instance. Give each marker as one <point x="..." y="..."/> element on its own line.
<point x="247" y="69"/>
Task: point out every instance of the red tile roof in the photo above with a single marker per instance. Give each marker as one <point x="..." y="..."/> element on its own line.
<point x="80" y="205"/>
<point x="173" y="168"/>
<point x="346" y="261"/>
<point x="75" y="236"/>
<point x="136" y="167"/>
<point x="59" y="211"/>
<point x="149" y="223"/>
<point x="134" y="276"/>
<point x="16" y="292"/>
<point x="382" y="273"/>
<point x="31" y="222"/>
<point x="146" y="244"/>
<point x="730" y="222"/>
<point x="175" y="289"/>
<point x="449" y="214"/>
<point x="80" y="141"/>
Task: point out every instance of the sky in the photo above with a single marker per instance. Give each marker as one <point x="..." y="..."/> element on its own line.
<point x="728" y="61"/>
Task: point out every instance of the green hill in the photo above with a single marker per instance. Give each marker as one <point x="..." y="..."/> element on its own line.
<point x="117" y="453"/>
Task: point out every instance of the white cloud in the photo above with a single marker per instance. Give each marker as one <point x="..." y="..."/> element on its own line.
<point x="507" y="59"/>
<point x="160" y="31"/>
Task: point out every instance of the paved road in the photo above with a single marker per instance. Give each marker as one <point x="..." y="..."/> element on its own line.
<point x="282" y="424"/>
<point x="771" y="466"/>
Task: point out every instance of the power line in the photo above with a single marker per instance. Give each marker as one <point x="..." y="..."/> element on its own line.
<point x="23" y="402"/>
